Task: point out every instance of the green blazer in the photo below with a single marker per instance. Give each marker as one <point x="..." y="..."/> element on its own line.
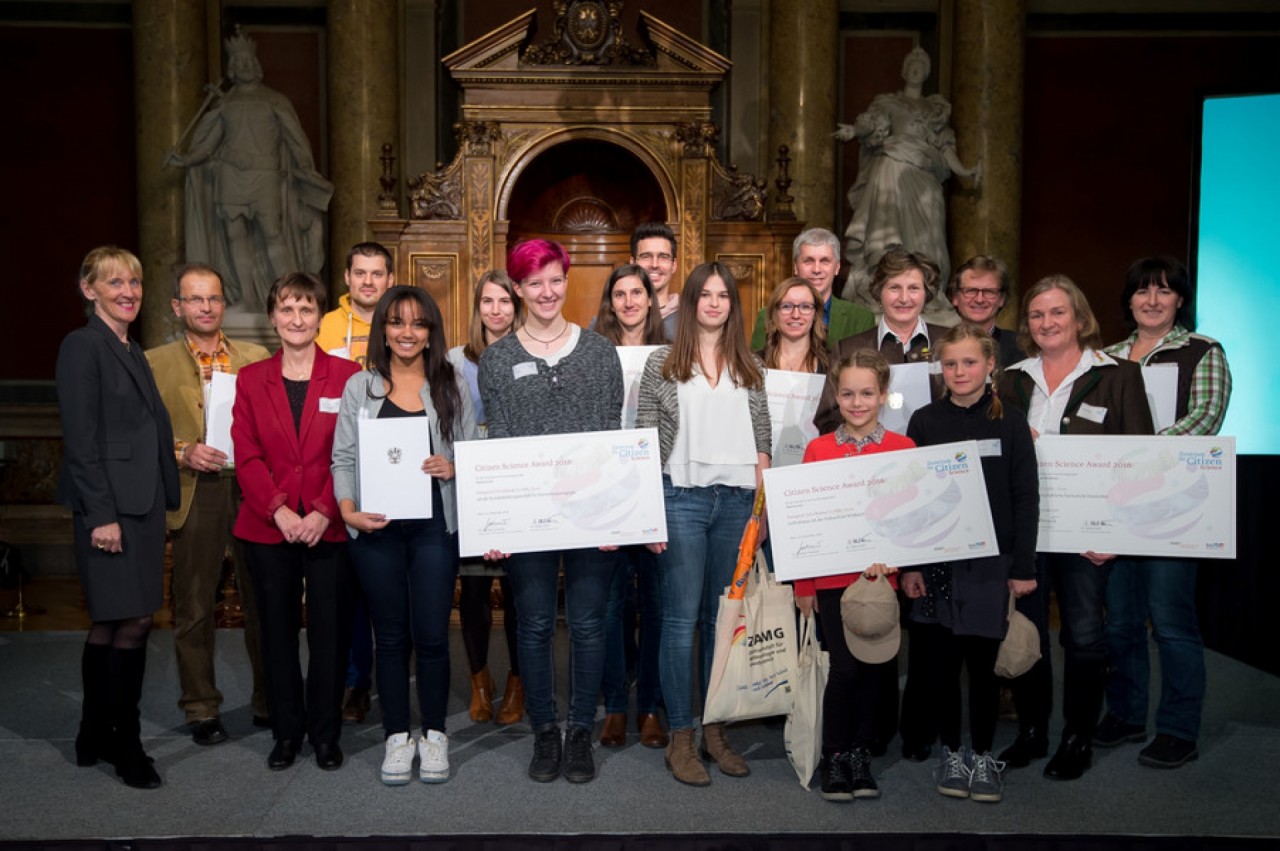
<point x="182" y="389"/>
<point x="847" y="319"/>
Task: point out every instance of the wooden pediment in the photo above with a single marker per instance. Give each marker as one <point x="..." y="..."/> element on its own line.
<point x="515" y="69"/>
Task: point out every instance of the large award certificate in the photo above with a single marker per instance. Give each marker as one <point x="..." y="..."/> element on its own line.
<point x="914" y="506"/>
<point x="391" y="479"/>
<point x="1139" y="496"/>
<point x="560" y="492"/>
<point x="793" y="401"/>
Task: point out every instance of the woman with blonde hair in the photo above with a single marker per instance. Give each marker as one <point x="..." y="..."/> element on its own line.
<point x="495" y="310"/>
<point x="119" y="474"/>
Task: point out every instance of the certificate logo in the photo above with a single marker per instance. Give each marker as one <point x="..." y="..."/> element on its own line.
<point x="1159" y="495"/>
<point x="393" y="455"/>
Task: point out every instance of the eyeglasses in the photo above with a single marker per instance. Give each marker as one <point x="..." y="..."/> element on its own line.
<point x="979" y="293"/>
<point x="803" y="309"/>
<point x="203" y="301"/>
<point x="649" y="257"/>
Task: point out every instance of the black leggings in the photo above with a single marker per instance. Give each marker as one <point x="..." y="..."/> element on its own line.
<point x="849" y="704"/>
<point x="476" y="616"/>
<point x="978" y="655"/>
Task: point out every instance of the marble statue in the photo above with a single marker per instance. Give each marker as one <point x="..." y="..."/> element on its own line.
<point x="908" y="150"/>
<point x="255" y="204"/>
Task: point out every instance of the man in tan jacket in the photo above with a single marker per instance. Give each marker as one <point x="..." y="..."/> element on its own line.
<point x="200" y="529"/>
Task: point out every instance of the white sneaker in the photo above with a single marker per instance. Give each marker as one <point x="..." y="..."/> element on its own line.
<point x="397" y="765"/>
<point x="433" y="757"/>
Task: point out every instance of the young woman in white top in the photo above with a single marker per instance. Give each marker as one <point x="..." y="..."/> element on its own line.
<point x="705" y="394"/>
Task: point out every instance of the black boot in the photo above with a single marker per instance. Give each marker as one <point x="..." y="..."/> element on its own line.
<point x="1032" y="743"/>
<point x="132" y="763"/>
<point x="94" y="742"/>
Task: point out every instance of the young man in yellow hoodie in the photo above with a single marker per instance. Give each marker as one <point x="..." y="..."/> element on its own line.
<point x="344" y="331"/>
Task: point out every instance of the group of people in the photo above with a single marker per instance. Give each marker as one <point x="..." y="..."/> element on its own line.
<point x="136" y="447"/>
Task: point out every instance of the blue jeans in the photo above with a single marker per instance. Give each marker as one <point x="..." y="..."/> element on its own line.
<point x="408" y="571"/>
<point x="535" y="581"/>
<point x="704" y="528"/>
<point x="1163" y="590"/>
<point x="639" y="564"/>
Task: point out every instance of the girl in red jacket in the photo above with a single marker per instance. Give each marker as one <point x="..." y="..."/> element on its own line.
<point x="861" y="383"/>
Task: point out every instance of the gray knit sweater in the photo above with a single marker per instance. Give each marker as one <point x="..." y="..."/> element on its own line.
<point x="659" y="407"/>
<point x="583" y="392"/>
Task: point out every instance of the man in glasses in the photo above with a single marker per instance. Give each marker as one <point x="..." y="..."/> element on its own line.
<point x="978" y="291"/>
<point x="653" y="248"/>
<point x="200" y="529"/>
<point x="815" y="256"/>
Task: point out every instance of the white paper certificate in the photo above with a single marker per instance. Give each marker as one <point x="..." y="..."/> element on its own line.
<point x="220" y="397"/>
<point x="793" y="400"/>
<point x="1161" y="381"/>
<point x="391" y="478"/>
<point x="913" y="506"/>
<point x="909" y="391"/>
<point x="1139" y="496"/>
<point x="560" y="492"/>
<point x="633" y="359"/>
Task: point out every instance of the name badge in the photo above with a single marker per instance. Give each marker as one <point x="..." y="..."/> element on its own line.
<point x="1092" y="413"/>
<point x="329" y="405"/>
<point x="523" y="370"/>
<point x="990" y="448"/>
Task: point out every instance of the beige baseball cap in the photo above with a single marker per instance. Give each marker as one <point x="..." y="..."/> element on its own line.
<point x="869" y="611"/>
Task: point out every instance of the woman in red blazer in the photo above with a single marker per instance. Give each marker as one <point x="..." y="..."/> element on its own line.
<point x="282" y="427"/>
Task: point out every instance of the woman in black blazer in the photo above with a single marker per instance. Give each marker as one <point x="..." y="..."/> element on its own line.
<point x="118" y="477"/>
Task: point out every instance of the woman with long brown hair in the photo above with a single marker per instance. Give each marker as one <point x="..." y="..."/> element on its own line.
<point x="705" y="395"/>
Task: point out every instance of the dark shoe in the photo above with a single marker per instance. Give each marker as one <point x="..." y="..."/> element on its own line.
<point x="916" y="753"/>
<point x="682" y="759"/>
<point x="652" y="734"/>
<point x="283" y="754"/>
<point x="1111" y="732"/>
<point x="261" y="721"/>
<point x="208" y="732"/>
<point x="579" y="767"/>
<point x="1166" y="751"/>
<point x="864" y="785"/>
<point x="328" y="756"/>
<point x="1032" y="743"/>
<point x="135" y="768"/>
<point x="1072" y="760"/>
<point x="613" y="733"/>
<point x="836" y="771"/>
<point x="547" y="751"/>
<point x="355" y="705"/>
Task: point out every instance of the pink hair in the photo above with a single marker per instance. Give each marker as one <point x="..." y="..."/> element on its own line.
<point x="532" y="255"/>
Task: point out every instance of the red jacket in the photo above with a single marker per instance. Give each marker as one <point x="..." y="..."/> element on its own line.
<point x="277" y="464"/>
<point x="825" y="448"/>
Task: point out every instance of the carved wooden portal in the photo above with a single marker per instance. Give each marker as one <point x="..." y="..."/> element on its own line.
<point x="579" y="138"/>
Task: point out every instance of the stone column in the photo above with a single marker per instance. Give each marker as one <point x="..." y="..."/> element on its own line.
<point x="170" y="64"/>
<point x="803" y="42"/>
<point x="989" y="50"/>
<point x="363" y="61"/>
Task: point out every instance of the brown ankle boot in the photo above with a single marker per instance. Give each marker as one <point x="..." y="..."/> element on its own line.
<point x="482" y="696"/>
<point x="512" y="708"/>
<point x="715" y="745"/>
<point x="682" y="759"/>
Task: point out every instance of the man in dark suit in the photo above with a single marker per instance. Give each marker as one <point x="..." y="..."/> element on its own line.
<point x="201" y="527"/>
<point x="978" y="291"/>
<point x="816" y="258"/>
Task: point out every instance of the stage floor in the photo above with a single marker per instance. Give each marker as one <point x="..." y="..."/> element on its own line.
<point x="226" y="791"/>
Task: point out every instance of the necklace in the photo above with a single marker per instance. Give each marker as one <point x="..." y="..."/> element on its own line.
<point x="547" y="343"/>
